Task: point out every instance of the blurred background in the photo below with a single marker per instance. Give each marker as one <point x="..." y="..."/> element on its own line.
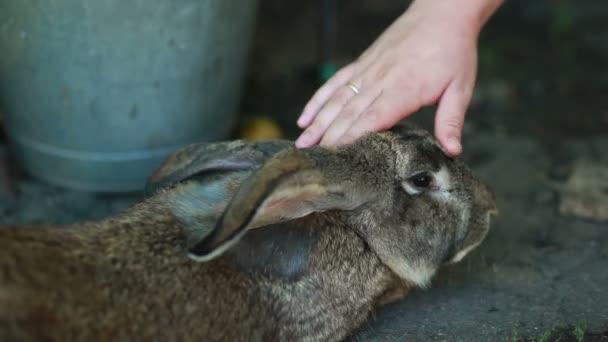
<point x="537" y="129"/>
<point x="542" y="64"/>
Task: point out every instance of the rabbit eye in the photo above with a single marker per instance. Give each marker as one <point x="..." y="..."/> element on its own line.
<point x="422" y="180"/>
<point x="419" y="183"/>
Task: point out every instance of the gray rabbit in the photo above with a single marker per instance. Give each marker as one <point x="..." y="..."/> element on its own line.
<point x="249" y="241"/>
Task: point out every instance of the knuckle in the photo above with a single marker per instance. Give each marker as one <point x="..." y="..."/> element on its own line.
<point x="414" y="92"/>
<point x="452" y="123"/>
<point x="345" y="94"/>
<point x="320" y="123"/>
<point x="350" y="110"/>
<point x="422" y="93"/>
<point x="371" y="114"/>
<point x="344" y="71"/>
<point x="426" y="92"/>
<point x="383" y="71"/>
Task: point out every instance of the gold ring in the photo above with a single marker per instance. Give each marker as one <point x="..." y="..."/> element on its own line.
<point x="353" y="87"/>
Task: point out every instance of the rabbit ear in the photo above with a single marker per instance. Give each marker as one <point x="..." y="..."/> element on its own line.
<point x="289" y="186"/>
<point x="197" y="159"/>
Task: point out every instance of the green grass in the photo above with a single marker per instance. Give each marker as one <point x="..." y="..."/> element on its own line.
<point x="576" y="333"/>
<point x="545" y="337"/>
<point x="579" y="333"/>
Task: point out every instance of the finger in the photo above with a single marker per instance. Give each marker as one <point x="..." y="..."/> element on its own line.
<point x="349" y="114"/>
<point x="326" y="116"/>
<point x="449" y="120"/>
<point x="384" y="112"/>
<point x="323" y="94"/>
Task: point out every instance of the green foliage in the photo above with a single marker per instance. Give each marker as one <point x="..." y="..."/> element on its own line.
<point x="545" y="337"/>
<point x="579" y="333"/>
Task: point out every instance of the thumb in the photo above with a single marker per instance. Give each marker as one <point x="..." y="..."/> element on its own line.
<point x="449" y="120"/>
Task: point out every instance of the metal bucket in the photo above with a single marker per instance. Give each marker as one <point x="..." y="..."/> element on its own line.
<point x="96" y="93"/>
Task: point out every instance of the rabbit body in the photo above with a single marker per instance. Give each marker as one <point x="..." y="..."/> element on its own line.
<point x="285" y="245"/>
<point x="83" y="283"/>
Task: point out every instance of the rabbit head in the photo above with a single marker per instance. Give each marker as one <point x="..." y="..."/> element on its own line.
<point x="414" y="206"/>
<point x="430" y="209"/>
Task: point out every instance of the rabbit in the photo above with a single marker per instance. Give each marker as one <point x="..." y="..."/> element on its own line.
<point x="250" y="241"/>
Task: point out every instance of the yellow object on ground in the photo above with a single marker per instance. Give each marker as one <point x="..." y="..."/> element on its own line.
<point x="261" y="128"/>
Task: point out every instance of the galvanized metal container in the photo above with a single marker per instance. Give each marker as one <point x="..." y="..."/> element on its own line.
<point x="96" y="93"/>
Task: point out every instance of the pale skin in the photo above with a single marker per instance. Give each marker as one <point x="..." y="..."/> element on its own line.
<point x="427" y="56"/>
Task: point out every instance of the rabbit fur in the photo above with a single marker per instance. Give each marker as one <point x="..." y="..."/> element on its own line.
<point x="249" y="241"/>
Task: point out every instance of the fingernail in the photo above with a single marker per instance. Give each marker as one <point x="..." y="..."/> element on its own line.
<point x="454" y="145"/>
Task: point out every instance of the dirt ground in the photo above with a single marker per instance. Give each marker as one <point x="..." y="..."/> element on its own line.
<point x="539" y="109"/>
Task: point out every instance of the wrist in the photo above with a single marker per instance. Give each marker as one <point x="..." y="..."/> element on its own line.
<point x="465" y="15"/>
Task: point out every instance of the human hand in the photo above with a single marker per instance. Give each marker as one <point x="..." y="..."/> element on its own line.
<point x="427" y="55"/>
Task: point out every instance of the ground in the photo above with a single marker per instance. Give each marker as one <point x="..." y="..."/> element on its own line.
<point x="539" y="108"/>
